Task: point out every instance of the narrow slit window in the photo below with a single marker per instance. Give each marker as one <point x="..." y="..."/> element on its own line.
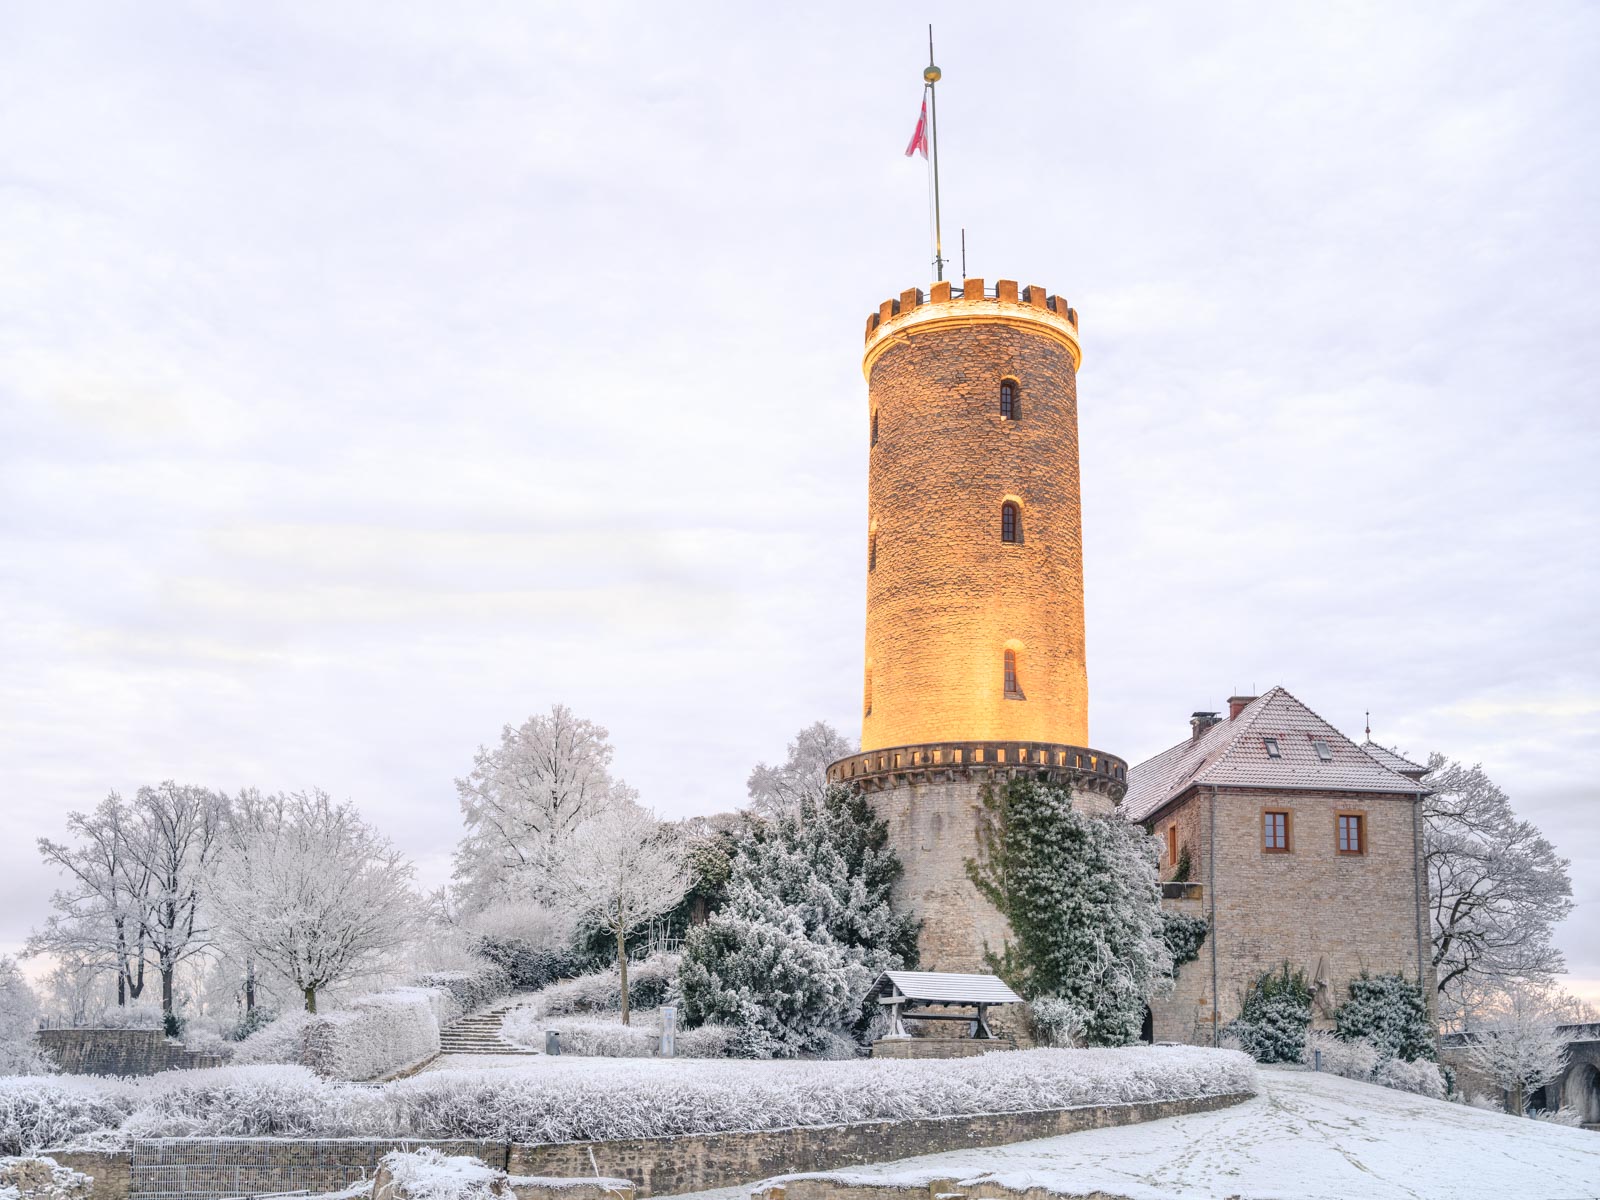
<point x="1013" y="685"/>
<point x="1321" y="747"/>
<point x="1010" y="522"/>
<point x="874" y="427"/>
<point x="872" y="551"/>
<point x="1172" y="845"/>
<point x="1352" y="833"/>
<point x="1010" y="408"/>
<point x="1272" y="747"/>
<point x="1275" y="832"/>
<point x="866" y="695"/>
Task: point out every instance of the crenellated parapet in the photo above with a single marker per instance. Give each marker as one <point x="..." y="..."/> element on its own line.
<point x="945" y="306"/>
<point x="875" y="770"/>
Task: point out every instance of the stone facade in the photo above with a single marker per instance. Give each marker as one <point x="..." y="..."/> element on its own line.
<point x="946" y="597"/>
<point x="1308" y="906"/>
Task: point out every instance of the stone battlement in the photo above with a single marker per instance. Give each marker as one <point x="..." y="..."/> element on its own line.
<point x="946" y="304"/>
<point x="876" y="770"/>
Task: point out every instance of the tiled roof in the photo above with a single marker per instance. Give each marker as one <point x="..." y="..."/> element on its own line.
<point x="1393" y="761"/>
<point x="939" y="988"/>
<point x="1234" y="754"/>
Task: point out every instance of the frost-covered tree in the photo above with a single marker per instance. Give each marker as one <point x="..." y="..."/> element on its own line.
<point x="621" y="870"/>
<point x="1497" y="887"/>
<point x="19" y="1017"/>
<point x="808" y="924"/>
<point x="307" y="888"/>
<point x="1082" y="896"/>
<point x="100" y="918"/>
<point x="526" y="798"/>
<point x="176" y="829"/>
<point x="779" y="792"/>
<point x="1520" y="1046"/>
<point x="1389" y="1012"/>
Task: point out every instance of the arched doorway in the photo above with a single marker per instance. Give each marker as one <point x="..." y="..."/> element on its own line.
<point x="1582" y="1092"/>
<point x="1147" y="1031"/>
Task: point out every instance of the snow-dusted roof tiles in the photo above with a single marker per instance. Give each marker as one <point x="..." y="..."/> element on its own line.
<point x="1388" y="758"/>
<point x="937" y="988"/>
<point x="1237" y="753"/>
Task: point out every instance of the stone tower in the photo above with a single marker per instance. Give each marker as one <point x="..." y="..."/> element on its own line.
<point x="975" y="641"/>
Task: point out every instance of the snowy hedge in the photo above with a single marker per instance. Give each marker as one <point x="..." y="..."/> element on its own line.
<point x="376" y="1035"/>
<point x="601" y="991"/>
<point x="592" y="1099"/>
<point x="468" y="990"/>
<point x="1365" y="1060"/>
<point x="612" y="1039"/>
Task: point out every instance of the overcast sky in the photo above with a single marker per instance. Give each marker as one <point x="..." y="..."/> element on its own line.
<point x="372" y="376"/>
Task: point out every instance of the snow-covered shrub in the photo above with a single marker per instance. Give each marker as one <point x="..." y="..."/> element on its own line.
<point x="611" y="1039"/>
<point x="1565" y="1115"/>
<point x="1485" y="1102"/>
<point x="42" y="1179"/>
<point x="1422" y="1077"/>
<point x="469" y="990"/>
<point x="601" y="991"/>
<point x="255" y="1101"/>
<point x="426" y="1174"/>
<point x="834" y="1045"/>
<point x="585" y="1099"/>
<point x="37" y="1112"/>
<point x="1082" y="896"/>
<point x="1183" y="935"/>
<point x="258" y="1018"/>
<point x="1276" y="1013"/>
<point x="1351" y="1060"/>
<point x="1389" y="1011"/>
<point x="281" y="1040"/>
<point x="1056" y="1022"/>
<point x="19" y="1016"/>
<point x="375" y="1035"/>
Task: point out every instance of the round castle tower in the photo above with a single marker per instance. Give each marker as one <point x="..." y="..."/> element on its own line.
<point x="975" y="641"/>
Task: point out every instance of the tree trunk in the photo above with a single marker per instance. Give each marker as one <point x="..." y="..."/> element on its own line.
<point x="250" y="988"/>
<point x="311" y="998"/>
<point x="622" y="963"/>
<point x="122" y="988"/>
<point x="166" y="989"/>
<point x="1516" y="1098"/>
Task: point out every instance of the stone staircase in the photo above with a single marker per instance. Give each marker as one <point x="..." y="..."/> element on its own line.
<point x="479" y="1033"/>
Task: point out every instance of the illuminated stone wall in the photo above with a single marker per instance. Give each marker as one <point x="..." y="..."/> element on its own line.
<point x="945" y="596"/>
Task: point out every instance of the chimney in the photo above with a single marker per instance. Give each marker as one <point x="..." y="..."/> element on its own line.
<point x="1200" y="722"/>
<point x="1236" y="705"/>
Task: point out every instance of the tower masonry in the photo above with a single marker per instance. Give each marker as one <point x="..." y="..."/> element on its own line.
<point x="974" y="667"/>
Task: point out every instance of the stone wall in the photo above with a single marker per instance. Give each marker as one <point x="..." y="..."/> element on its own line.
<point x="120" y="1052"/>
<point x="945" y="596"/>
<point x="1360" y="912"/>
<point x="668" y="1166"/>
<point x="214" y="1168"/>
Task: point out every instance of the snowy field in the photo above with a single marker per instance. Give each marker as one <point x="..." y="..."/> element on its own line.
<point x="1305" y="1135"/>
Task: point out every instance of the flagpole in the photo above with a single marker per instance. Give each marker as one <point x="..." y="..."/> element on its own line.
<point x="932" y="76"/>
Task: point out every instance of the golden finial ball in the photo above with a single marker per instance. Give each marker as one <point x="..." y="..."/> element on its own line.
<point x="932" y="73"/>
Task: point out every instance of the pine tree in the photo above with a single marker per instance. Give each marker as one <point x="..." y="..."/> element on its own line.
<point x="1082" y="897"/>
<point x="1274" y="1018"/>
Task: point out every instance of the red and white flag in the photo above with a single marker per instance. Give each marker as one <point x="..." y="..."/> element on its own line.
<point x="919" y="139"/>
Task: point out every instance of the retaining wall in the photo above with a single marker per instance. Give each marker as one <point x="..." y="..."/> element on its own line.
<point x="120" y="1052"/>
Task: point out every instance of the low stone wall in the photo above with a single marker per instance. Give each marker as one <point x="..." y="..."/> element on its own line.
<point x="937" y="1047"/>
<point x="120" y="1052"/>
<point x="668" y="1166"/>
<point x="215" y="1168"/>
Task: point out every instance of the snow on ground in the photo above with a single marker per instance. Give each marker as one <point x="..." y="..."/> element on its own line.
<point x="1306" y="1135"/>
<point x="475" y="1062"/>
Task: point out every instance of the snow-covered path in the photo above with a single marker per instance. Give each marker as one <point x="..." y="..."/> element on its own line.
<point x="1306" y="1135"/>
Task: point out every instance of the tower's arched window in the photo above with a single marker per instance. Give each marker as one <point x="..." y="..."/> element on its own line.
<point x="1013" y="682"/>
<point x="874" y="427"/>
<point x="1010" y="403"/>
<point x="1010" y="522"/>
<point x="866" y="694"/>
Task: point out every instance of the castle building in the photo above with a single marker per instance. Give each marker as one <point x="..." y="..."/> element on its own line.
<point x="974" y="666"/>
<point x="1296" y="844"/>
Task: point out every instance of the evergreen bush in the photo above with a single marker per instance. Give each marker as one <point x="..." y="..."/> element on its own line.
<point x="1389" y="1011"/>
<point x="1183" y="937"/>
<point x="1276" y="1013"/>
